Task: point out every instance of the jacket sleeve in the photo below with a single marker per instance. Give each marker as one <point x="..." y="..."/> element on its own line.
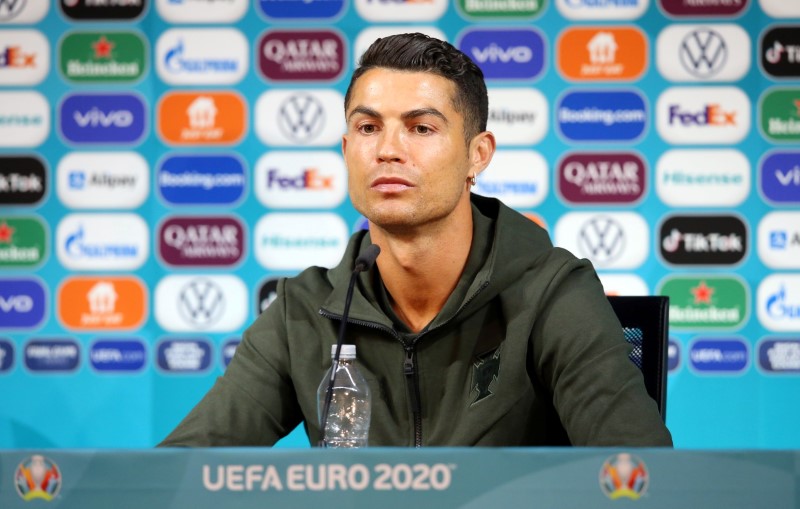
<point x="582" y="357"/>
<point x="254" y="402"/>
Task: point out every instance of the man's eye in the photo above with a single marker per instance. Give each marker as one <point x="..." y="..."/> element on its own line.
<point x="422" y="129"/>
<point x="367" y="129"/>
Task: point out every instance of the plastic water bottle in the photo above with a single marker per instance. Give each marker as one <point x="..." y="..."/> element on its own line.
<point x="351" y="404"/>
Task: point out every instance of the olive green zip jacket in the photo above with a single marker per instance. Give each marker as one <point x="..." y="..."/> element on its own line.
<point x="526" y="347"/>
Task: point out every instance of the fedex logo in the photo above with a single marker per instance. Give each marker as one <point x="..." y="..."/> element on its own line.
<point x="311" y="178"/>
<point x="712" y="114"/>
<point x="14" y="57"/>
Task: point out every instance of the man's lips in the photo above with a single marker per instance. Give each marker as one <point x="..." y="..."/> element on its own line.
<point x="390" y="184"/>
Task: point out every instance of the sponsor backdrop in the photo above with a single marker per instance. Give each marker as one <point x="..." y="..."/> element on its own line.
<point x="163" y="162"/>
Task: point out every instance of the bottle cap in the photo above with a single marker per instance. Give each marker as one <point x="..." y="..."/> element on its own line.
<point x="348" y="352"/>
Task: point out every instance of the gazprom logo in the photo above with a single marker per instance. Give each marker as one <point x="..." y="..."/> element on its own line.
<point x="602" y="115"/>
<point x="517" y="177"/>
<point x="201" y="179"/>
<point x="507" y="54"/>
<point x="202" y="56"/>
<point x="778" y="303"/>
<point x="719" y="355"/>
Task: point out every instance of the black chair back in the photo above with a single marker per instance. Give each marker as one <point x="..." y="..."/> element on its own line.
<point x="645" y="323"/>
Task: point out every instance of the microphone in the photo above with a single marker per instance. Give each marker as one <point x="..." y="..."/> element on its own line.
<point x="364" y="262"/>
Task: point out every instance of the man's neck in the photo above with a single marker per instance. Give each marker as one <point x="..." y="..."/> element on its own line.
<point x="421" y="269"/>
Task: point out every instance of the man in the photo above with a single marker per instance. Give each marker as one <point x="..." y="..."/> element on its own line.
<point x="471" y="329"/>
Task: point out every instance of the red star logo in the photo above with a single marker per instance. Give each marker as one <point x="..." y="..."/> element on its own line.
<point x="103" y="47"/>
<point x="6" y="232"/>
<point x="797" y="105"/>
<point x="702" y="293"/>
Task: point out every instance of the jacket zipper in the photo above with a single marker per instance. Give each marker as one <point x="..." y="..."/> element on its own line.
<point x="409" y="366"/>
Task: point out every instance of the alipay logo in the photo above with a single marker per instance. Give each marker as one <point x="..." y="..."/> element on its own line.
<point x="202" y="11"/>
<point x="516" y="54"/>
<point x="96" y="180"/>
<point x="779" y="240"/>
<point x="517" y="116"/>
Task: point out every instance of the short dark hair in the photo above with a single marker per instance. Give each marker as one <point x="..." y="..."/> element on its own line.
<point x="422" y="53"/>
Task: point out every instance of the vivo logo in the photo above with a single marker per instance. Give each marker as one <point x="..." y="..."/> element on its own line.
<point x="780" y="177"/>
<point x="96" y="117"/>
<point x="16" y="303"/>
<point x="494" y="53"/>
<point x="506" y="54"/>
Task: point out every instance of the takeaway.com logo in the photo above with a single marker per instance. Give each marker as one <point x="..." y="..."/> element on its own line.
<point x="201" y="118"/>
<point x="602" y="53"/>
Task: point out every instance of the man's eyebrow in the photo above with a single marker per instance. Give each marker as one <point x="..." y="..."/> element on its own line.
<point x="420" y="112"/>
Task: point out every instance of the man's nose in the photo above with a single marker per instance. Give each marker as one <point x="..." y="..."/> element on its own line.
<point x="390" y="145"/>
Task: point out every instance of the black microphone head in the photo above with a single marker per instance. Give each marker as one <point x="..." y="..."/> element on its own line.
<point x="367" y="258"/>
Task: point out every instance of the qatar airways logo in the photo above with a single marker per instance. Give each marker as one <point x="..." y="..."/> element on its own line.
<point x="293" y="55"/>
<point x="598" y="177"/>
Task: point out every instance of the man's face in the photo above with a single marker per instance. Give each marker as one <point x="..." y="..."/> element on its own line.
<point x="404" y="149"/>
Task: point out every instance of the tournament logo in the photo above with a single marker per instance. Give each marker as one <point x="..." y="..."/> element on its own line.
<point x="201" y="241"/>
<point x="202" y="56"/>
<point x="301" y="180"/>
<point x="6" y="356"/>
<point x="602" y="9"/>
<point x="503" y="9"/>
<point x="201" y="179"/>
<point x="779" y="356"/>
<point x="601" y="115"/>
<point x="779" y="240"/>
<point x="37" y="477"/>
<point x="24" y="119"/>
<point x="202" y="118"/>
<point x="103" y="118"/>
<point x="102" y="241"/>
<point x="507" y="54"/>
<point x="24" y="57"/>
<point x="300" y="117"/>
<point x="703" y="240"/>
<point x="295" y="241"/>
<point x="684" y="178"/>
<point x="23" y="180"/>
<point x="614" y="240"/>
<point x="202" y="11"/>
<point x="602" y="178"/>
<point x="519" y="178"/>
<point x="98" y="10"/>
<point x="21" y="12"/>
<point x="602" y="53"/>
<point x="184" y="355"/>
<point x="703" y="53"/>
<point x="53" y="356"/>
<point x="301" y="9"/>
<point x="703" y="8"/>
<point x="267" y="293"/>
<point x="708" y="115"/>
<point x="102" y="180"/>
<point x="779" y="177"/>
<point x="102" y="303"/>
<point x="719" y="355"/>
<point x="301" y="55"/>
<point x="210" y="303"/>
<point x="23" y="303"/>
<point x="23" y="242"/>
<point x="780" y="51"/>
<point x="780" y="114"/>
<point x="118" y="355"/>
<point x="517" y="116"/>
<point x="624" y="476"/>
<point x="780" y="8"/>
<point x="115" y="57"/>
<point x="228" y="351"/>
<point x="710" y="302"/>
<point x="401" y="10"/>
<point x="779" y="302"/>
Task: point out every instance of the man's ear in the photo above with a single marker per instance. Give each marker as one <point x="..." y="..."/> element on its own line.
<point x="481" y="150"/>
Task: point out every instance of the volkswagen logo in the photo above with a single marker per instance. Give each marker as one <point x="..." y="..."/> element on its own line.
<point x="201" y="302"/>
<point x="10" y="8"/>
<point x="703" y="53"/>
<point x="301" y="117"/>
<point x="602" y="240"/>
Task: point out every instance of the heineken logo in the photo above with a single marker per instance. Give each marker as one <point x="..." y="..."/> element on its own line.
<point x="501" y="8"/>
<point x="780" y="115"/>
<point x="103" y="56"/>
<point x="713" y="302"/>
<point x="22" y="241"/>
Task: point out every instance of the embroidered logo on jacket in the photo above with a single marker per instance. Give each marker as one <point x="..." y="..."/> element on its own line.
<point x="484" y="372"/>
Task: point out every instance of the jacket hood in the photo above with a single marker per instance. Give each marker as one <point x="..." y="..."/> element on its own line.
<point x="505" y="244"/>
